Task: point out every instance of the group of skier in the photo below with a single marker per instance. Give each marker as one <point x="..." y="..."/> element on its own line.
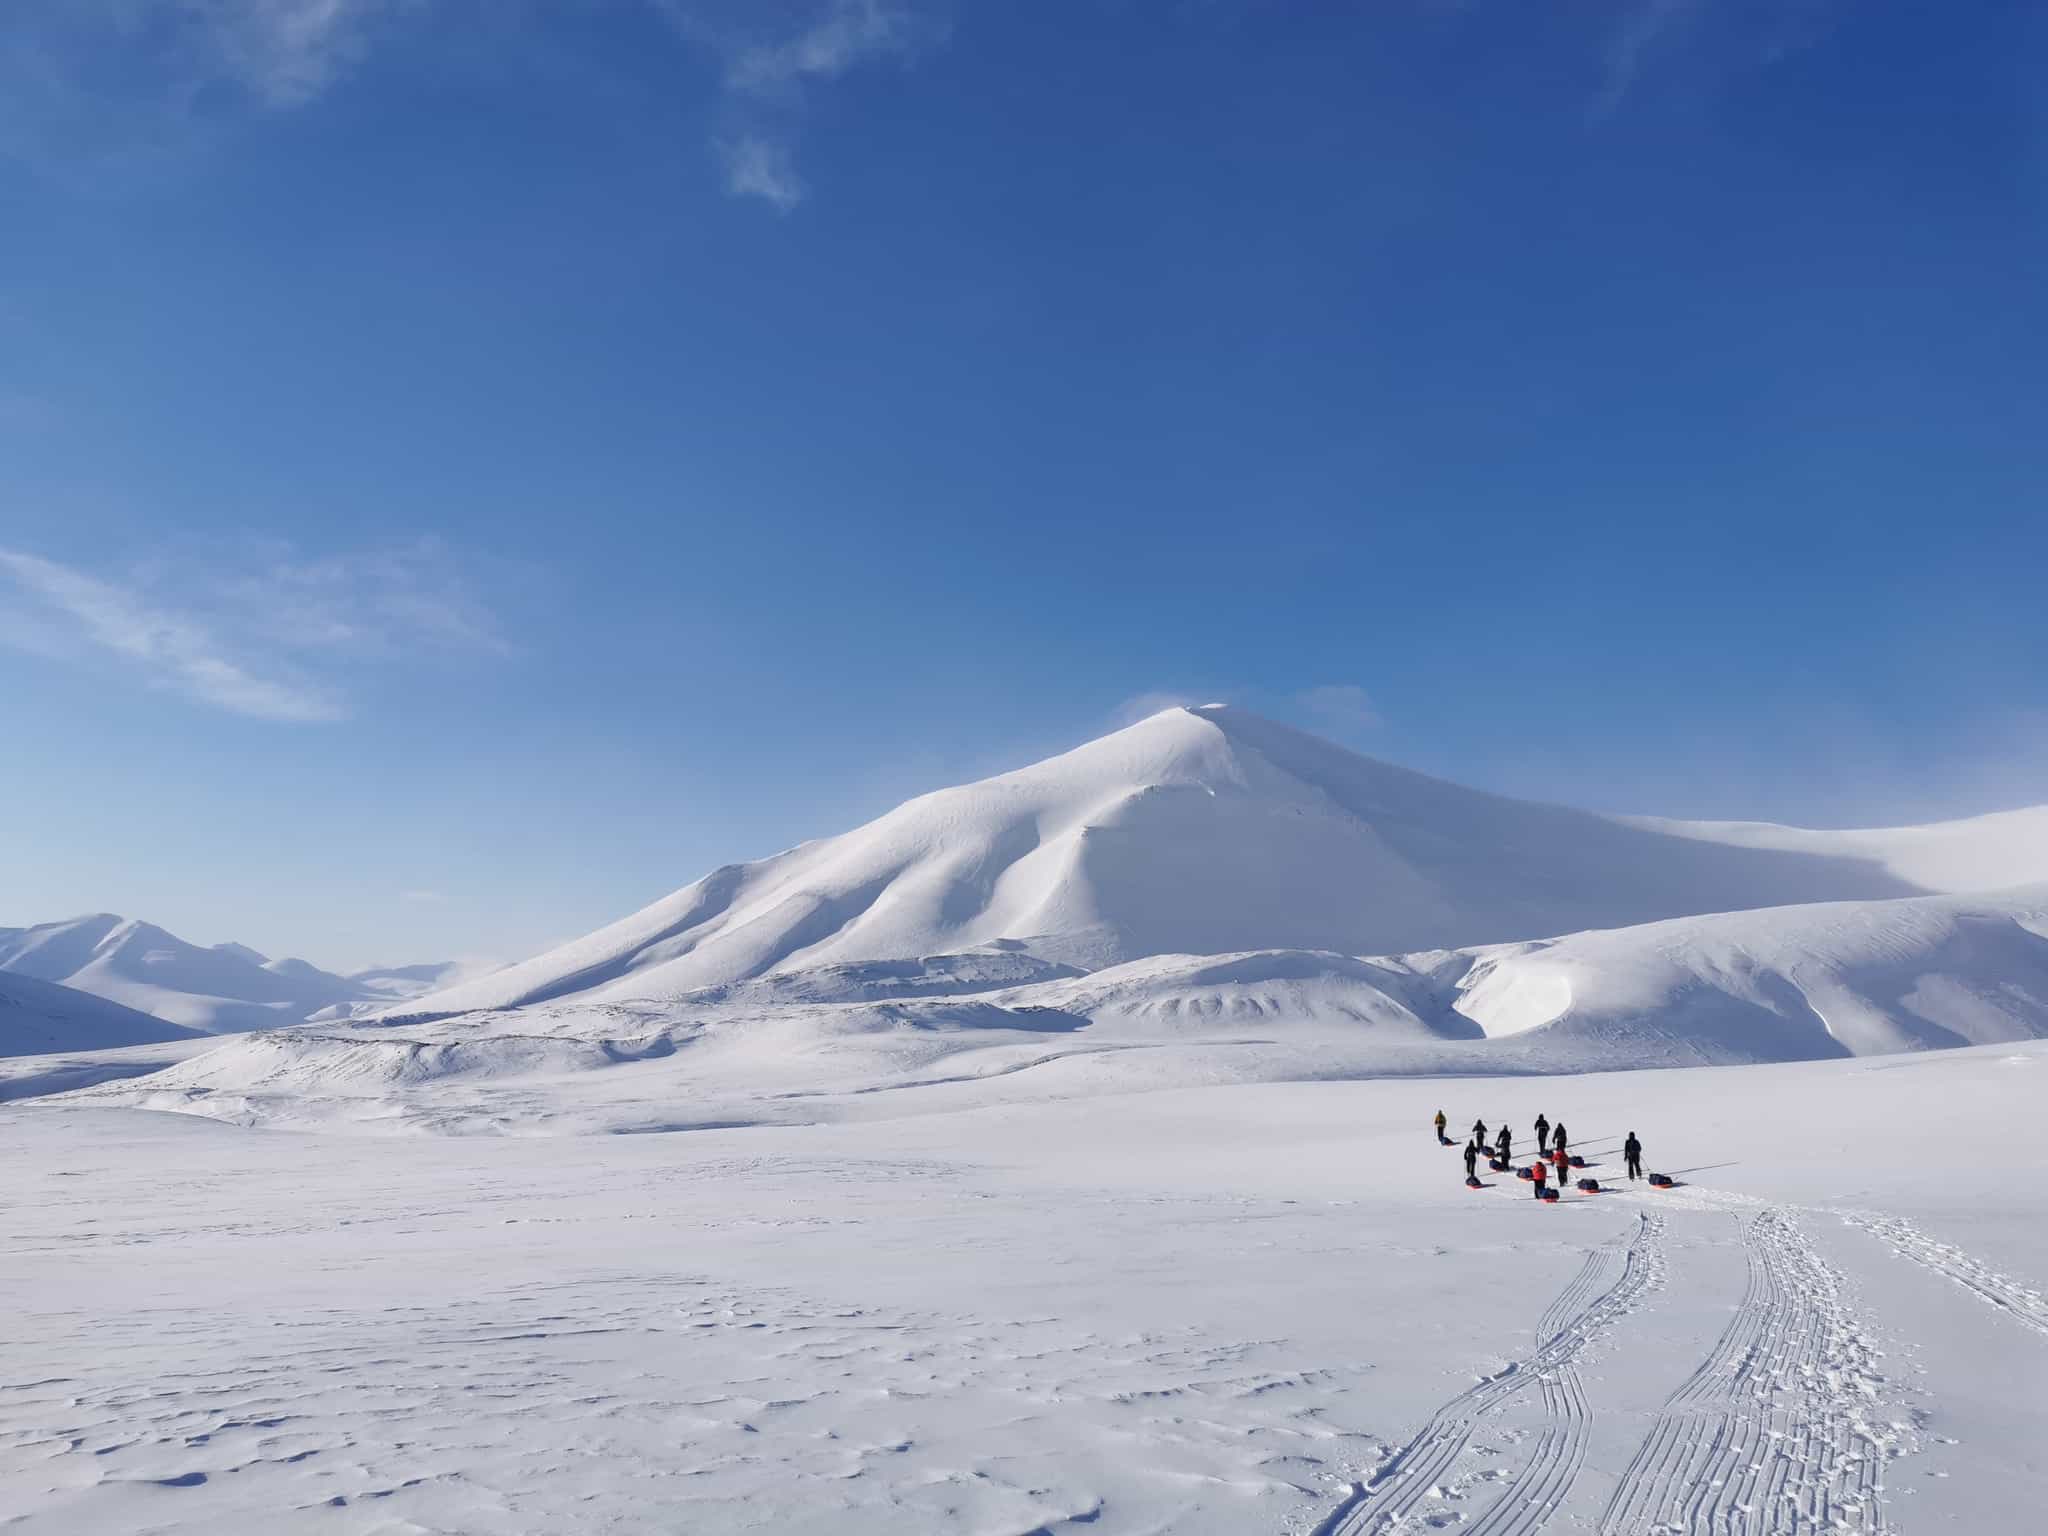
<point x="1552" y="1151"/>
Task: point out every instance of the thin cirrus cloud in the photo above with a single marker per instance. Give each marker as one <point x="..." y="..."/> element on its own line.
<point x="105" y="78"/>
<point x="1690" y="44"/>
<point x="828" y="43"/>
<point x="1644" y="26"/>
<point x="769" y="63"/>
<point x="763" y="168"/>
<point x="256" y="632"/>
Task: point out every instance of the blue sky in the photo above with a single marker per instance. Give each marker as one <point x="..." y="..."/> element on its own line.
<point x="470" y="468"/>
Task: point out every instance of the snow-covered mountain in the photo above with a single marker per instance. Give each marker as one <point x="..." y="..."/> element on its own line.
<point x="1210" y="831"/>
<point x="219" y="990"/>
<point x="38" y="1017"/>
<point x="1831" y="979"/>
<point x="1203" y="897"/>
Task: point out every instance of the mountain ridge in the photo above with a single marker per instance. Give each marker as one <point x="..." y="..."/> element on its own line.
<point x="217" y="989"/>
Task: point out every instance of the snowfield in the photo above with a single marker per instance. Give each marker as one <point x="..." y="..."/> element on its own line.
<point x="1054" y="1155"/>
<point x="1243" y="1308"/>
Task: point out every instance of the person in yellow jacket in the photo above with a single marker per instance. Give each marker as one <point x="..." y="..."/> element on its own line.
<point x="1441" y="1122"/>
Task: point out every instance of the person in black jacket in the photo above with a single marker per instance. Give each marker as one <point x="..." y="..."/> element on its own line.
<point x="1504" y="1145"/>
<point x="1471" y="1159"/>
<point x="1542" y="1133"/>
<point x="1557" y="1136"/>
<point x="1479" y="1132"/>
<point x="1633" y="1151"/>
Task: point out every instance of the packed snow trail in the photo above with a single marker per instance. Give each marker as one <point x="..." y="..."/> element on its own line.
<point x="1770" y="1435"/>
<point x="2021" y="1302"/>
<point x="1609" y="1284"/>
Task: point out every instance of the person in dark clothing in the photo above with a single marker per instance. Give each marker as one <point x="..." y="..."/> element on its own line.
<point x="1542" y="1132"/>
<point x="1505" y="1144"/>
<point x="1633" y="1151"/>
<point x="1557" y="1135"/>
<point x="1471" y="1159"/>
<point x="1479" y="1132"/>
<point x="1441" y="1122"/>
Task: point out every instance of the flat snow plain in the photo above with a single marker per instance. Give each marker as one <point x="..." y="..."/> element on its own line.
<point x="1260" y="1307"/>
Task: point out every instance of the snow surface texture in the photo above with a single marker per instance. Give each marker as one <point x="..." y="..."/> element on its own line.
<point x="226" y="988"/>
<point x="1255" y="1308"/>
<point x="1211" y="831"/>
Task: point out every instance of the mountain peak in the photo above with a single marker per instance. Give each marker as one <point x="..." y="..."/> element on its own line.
<point x="1199" y="829"/>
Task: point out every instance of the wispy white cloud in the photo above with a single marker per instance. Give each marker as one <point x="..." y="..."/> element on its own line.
<point x="169" y="649"/>
<point x="1644" y="25"/>
<point x="1342" y="707"/>
<point x="763" y="168"/>
<point x="772" y="53"/>
<point x="111" y="80"/>
<point x="256" y="630"/>
<point x="87" y="71"/>
<point x="1693" y="45"/>
<point x="827" y="44"/>
<point x="284" y="51"/>
<point x="374" y="604"/>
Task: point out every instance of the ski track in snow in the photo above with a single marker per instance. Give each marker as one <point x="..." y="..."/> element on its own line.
<point x="2021" y="1302"/>
<point x="1422" y="1484"/>
<point x="1771" y="1435"/>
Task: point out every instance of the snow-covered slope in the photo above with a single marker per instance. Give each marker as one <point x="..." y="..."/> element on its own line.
<point x="222" y="989"/>
<point x="1827" y="979"/>
<point x="1979" y="853"/>
<point x="1205" y="831"/>
<point x="38" y="1017"/>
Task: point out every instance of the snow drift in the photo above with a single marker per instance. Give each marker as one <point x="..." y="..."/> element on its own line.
<point x="1211" y="831"/>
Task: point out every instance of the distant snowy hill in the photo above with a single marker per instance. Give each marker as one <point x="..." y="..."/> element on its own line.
<point x="1212" y="831"/>
<point x="1860" y="978"/>
<point x="223" y="989"/>
<point x="39" y="1017"/>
